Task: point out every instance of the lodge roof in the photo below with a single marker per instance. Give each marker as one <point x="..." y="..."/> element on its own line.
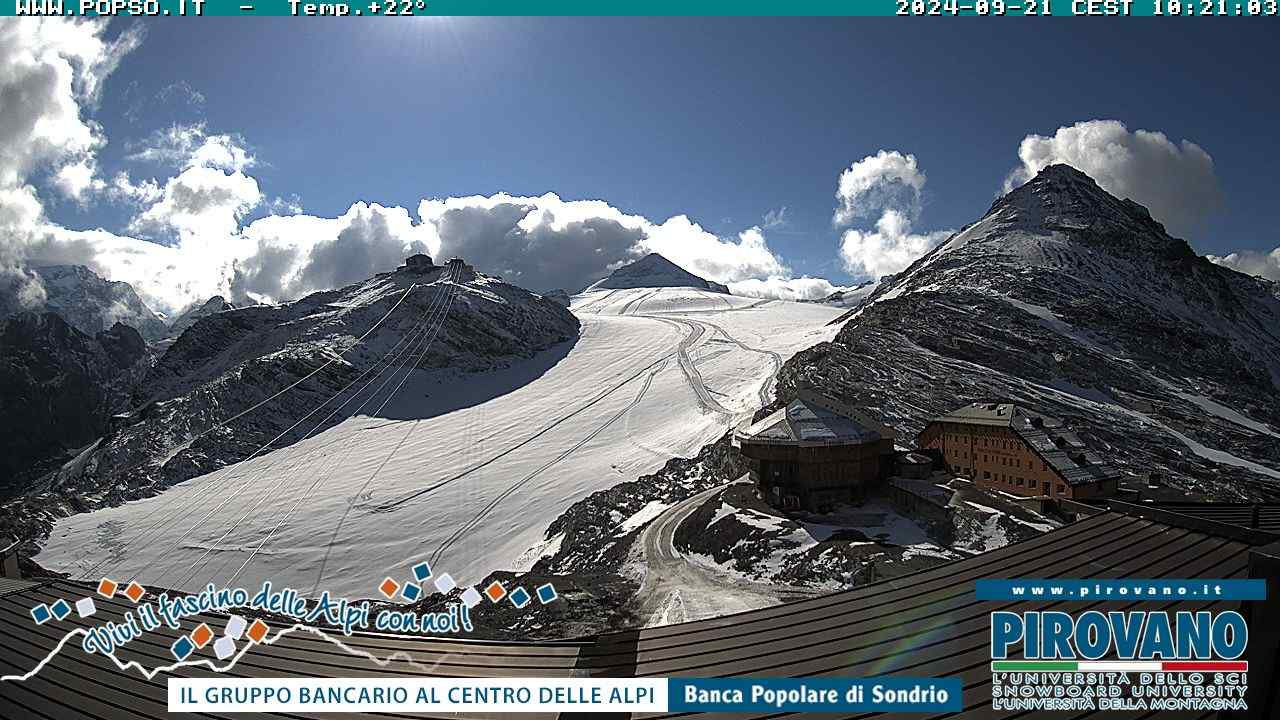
<point x="924" y="624"/>
<point x="813" y="419"/>
<point x="1060" y="447"/>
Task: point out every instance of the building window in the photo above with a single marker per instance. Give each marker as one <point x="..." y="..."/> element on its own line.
<point x="1062" y="489"/>
<point x="986" y="474"/>
<point x="1020" y="482"/>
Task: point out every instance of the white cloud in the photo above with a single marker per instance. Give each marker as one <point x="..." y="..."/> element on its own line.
<point x="122" y="188"/>
<point x="206" y="200"/>
<point x="291" y="205"/>
<point x="888" y="249"/>
<point x="50" y="71"/>
<point x="288" y="256"/>
<point x="541" y="243"/>
<point x="779" y="288"/>
<point x="200" y="202"/>
<point x="192" y="146"/>
<point x="887" y="179"/>
<point x="1252" y="262"/>
<point x="77" y="179"/>
<point x="686" y="244"/>
<point x="888" y="186"/>
<point x="175" y="98"/>
<point x="1175" y="181"/>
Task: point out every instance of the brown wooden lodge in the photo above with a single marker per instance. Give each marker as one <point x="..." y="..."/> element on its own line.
<point x="816" y="452"/>
<point x="1010" y="448"/>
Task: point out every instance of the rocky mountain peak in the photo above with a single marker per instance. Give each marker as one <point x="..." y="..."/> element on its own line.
<point x="654" y="270"/>
<point x="1078" y="302"/>
<point x="213" y="305"/>
<point x="1061" y="198"/>
<point x="91" y="303"/>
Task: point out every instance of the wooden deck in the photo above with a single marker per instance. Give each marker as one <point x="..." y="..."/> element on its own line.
<point x="924" y="624"/>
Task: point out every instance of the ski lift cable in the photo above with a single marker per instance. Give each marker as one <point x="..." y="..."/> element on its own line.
<point x="435" y="318"/>
<point x="322" y="476"/>
<point x="292" y="460"/>
<point x="341" y="521"/>
<point x="311" y="374"/>
<point x="185" y="510"/>
<point x="371" y="477"/>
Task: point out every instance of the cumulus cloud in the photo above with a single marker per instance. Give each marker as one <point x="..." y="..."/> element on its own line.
<point x="287" y="257"/>
<point x="541" y="243"/>
<point x="779" y="288"/>
<point x="50" y="69"/>
<point x="200" y="202"/>
<point x="887" y="186"/>
<point x="1252" y="262"/>
<point x="887" y="179"/>
<point x="1175" y="181"/>
<point x="724" y="260"/>
<point x="889" y="248"/>
<point x="209" y="197"/>
<point x="188" y="238"/>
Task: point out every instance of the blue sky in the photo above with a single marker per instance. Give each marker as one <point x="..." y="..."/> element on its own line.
<point x="723" y="120"/>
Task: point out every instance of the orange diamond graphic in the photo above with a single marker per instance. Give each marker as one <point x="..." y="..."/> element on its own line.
<point x="257" y="631"/>
<point x="389" y="588"/>
<point x="201" y="635"/>
<point x="495" y="591"/>
<point x="134" y="592"/>
<point x="107" y="588"/>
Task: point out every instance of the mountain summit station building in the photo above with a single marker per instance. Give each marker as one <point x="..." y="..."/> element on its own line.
<point x="1010" y="448"/>
<point x="816" y="452"/>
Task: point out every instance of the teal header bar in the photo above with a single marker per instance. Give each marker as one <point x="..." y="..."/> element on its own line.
<point x="919" y="9"/>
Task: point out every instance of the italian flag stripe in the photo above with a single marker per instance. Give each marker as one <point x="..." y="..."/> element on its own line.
<point x="1118" y="666"/>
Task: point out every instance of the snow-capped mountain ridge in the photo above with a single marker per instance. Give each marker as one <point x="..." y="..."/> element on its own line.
<point x="654" y="271"/>
<point x="1063" y="244"/>
<point x="92" y="304"/>
<point x="466" y="467"/>
<point x="58" y="388"/>
<point x="245" y="378"/>
<point x="1066" y="297"/>
<point x="187" y="318"/>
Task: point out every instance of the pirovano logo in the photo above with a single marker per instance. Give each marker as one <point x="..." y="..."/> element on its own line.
<point x="1123" y="660"/>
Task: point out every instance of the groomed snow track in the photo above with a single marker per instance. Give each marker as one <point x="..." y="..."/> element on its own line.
<point x="453" y="471"/>
<point x="925" y="624"/>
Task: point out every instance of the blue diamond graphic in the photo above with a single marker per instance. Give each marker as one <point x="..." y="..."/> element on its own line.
<point x="182" y="648"/>
<point x="421" y="572"/>
<point x="40" y="614"/>
<point x="411" y="592"/>
<point x="546" y="593"/>
<point x="60" y="609"/>
<point x="520" y="597"/>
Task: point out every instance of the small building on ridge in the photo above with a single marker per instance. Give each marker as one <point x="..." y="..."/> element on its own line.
<point x="816" y="452"/>
<point x="1007" y="447"/>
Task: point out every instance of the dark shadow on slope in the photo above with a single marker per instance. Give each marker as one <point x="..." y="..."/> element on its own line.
<point x="431" y="393"/>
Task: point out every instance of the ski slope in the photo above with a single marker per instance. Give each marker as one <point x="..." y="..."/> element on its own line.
<point x="465" y="470"/>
